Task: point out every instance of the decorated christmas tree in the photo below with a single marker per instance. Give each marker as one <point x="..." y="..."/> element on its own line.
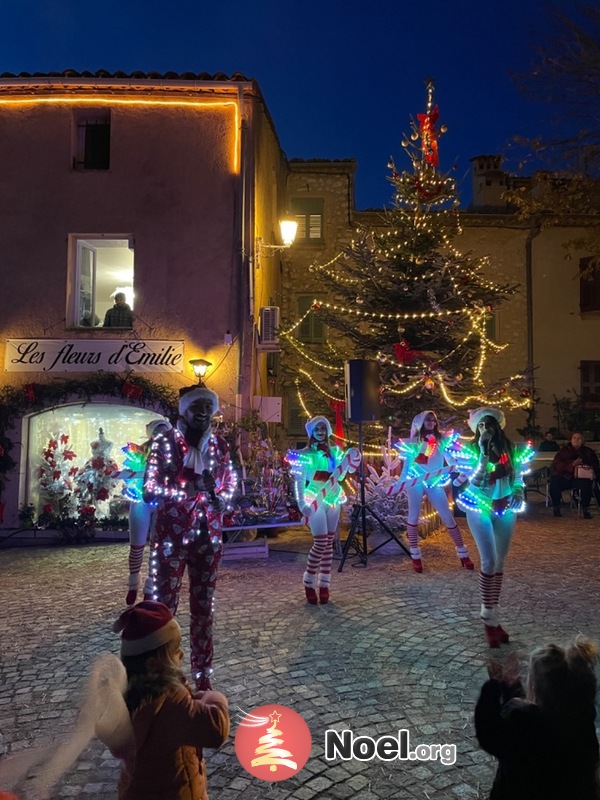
<point x="95" y="481"/>
<point x="57" y="472"/>
<point x="404" y="295"/>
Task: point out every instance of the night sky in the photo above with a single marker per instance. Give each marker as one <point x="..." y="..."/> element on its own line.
<point x="341" y="78"/>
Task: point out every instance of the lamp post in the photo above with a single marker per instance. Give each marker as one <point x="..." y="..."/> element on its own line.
<point x="200" y="366"/>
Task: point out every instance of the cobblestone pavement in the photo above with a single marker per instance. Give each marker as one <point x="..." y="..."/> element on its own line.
<point x="392" y="650"/>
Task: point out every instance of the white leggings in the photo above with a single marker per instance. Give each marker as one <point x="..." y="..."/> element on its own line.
<point x="492" y="536"/>
<point x="324" y="519"/>
<point x="140" y="519"/>
<point x="438" y="499"/>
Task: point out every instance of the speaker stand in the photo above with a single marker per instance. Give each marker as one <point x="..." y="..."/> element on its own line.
<point x="357" y="535"/>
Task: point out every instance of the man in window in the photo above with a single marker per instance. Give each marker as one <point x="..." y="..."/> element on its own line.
<point x="120" y="315"/>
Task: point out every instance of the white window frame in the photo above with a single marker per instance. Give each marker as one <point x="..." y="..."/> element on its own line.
<point x="78" y="245"/>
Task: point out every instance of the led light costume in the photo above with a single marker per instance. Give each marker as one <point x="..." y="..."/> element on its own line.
<point x="428" y="451"/>
<point x="492" y="498"/>
<point x="191" y="479"/>
<point x="318" y="470"/>
<point x="141" y="514"/>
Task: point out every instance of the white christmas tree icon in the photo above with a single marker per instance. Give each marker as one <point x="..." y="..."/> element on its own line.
<point x="269" y="753"/>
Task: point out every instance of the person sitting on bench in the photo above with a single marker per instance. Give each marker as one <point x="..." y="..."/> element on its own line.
<point x="566" y="473"/>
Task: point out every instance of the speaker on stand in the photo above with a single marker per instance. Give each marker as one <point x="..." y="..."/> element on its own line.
<point x="361" y="383"/>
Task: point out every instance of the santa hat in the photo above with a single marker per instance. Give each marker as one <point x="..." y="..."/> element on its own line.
<point x="478" y="414"/>
<point x="189" y="396"/>
<point x="145" y="627"/>
<point x="155" y="425"/>
<point x="312" y="424"/>
<point x="417" y="423"/>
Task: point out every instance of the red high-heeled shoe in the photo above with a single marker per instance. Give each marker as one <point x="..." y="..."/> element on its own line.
<point x="324" y="594"/>
<point x="502" y="635"/>
<point x="491" y="636"/>
<point x="311" y="595"/>
<point x="467" y="563"/>
<point x="417" y="564"/>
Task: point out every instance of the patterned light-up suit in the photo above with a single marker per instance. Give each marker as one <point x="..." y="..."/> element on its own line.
<point x="312" y="468"/>
<point x="492" y="498"/>
<point x="191" y="478"/>
<point x="428" y="451"/>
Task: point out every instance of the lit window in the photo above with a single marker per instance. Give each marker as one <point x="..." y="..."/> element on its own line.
<point x="101" y="269"/>
<point x="308" y="211"/>
<point x="311" y="330"/>
<point x="91" y="139"/>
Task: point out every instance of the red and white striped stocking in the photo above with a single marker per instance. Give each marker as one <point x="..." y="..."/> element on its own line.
<point x="412" y="531"/>
<point x="488" y="606"/>
<point x="315" y="556"/>
<point x="326" y="561"/>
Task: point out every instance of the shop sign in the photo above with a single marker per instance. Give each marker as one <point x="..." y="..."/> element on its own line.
<point x="89" y="355"/>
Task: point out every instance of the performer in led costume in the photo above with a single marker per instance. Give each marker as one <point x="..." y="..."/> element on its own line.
<point x="427" y="451"/>
<point x="141" y="515"/>
<point x="312" y="467"/>
<point x="493" y="497"/>
<point x="191" y="478"/>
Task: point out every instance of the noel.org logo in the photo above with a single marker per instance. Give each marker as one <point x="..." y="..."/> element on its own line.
<point x="272" y="742"/>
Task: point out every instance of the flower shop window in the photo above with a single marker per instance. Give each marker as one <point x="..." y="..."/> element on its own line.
<point x="100" y="268"/>
<point x="71" y="451"/>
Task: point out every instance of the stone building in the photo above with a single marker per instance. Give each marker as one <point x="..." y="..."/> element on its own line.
<point x="551" y="324"/>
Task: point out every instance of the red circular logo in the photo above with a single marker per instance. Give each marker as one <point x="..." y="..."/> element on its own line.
<point x="272" y="743"/>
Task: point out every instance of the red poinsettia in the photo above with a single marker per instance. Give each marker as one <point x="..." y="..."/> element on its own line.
<point x="69" y="455"/>
<point x="64" y="438"/>
<point x="102" y="493"/>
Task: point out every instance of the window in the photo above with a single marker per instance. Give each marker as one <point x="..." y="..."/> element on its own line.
<point x="491" y="326"/>
<point x="590" y="381"/>
<point x="101" y="269"/>
<point x="311" y="330"/>
<point x="589" y="287"/>
<point x="295" y="416"/>
<point x="81" y="423"/>
<point x="91" y="139"/>
<point x="308" y="211"/>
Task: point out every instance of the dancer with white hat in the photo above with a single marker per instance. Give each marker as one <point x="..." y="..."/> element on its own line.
<point x="312" y="468"/>
<point x="493" y="497"/>
<point x="428" y="450"/>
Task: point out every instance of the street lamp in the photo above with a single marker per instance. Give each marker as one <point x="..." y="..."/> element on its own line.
<point x="288" y="227"/>
<point x="200" y="365"/>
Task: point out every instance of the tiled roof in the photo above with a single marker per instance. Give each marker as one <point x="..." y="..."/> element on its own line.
<point x="137" y="75"/>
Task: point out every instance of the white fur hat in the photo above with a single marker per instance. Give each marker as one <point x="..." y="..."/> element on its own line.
<point x="417" y="423"/>
<point x="198" y="393"/>
<point x="477" y="414"/>
<point x="312" y="424"/>
<point x="155" y="424"/>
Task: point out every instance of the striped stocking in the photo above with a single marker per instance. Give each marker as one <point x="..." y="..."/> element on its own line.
<point x="412" y="531"/>
<point x="136" y="555"/>
<point x="326" y="561"/>
<point x="497" y="587"/>
<point x="488" y="607"/>
<point x="456" y="536"/>
<point x="315" y="556"/>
